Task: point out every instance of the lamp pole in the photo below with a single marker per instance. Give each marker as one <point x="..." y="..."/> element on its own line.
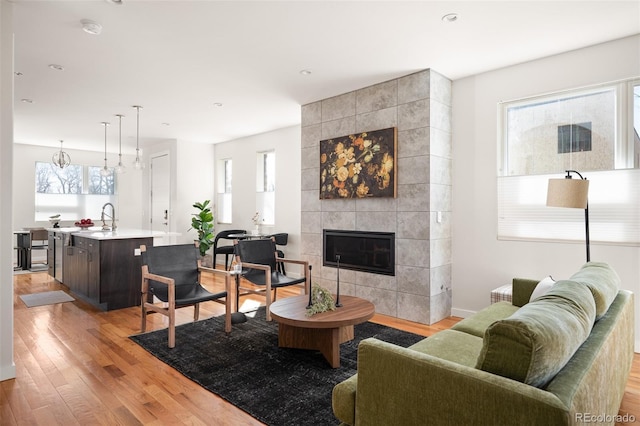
<point x="586" y="213"/>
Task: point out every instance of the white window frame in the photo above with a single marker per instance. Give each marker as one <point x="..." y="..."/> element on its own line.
<point x="225" y="191"/>
<point x="266" y="186"/>
<point x="614" y="215"/>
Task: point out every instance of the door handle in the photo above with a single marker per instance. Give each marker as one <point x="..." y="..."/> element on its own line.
<point x="166" y="215"/>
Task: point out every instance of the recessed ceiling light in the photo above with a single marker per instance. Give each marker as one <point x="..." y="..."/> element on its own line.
<point x="118" y="2"/>
<point x="56" y="67"/>
<point x="450" y="17"/>
<point x="305" y="72"/>
<point x="26" y="101"/>
<point x="217" y="104"/>
<point x="91" y="27"/>
<point x="165" y="124"/>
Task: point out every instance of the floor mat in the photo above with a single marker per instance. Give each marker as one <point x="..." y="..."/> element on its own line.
<point x="45" y="298"/>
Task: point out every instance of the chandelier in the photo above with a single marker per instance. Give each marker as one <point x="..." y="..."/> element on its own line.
<point x="61" y="158"/>
<point x="120" y="167"/>
<point x="105" y="170"/>
<point x="138" y="164"/>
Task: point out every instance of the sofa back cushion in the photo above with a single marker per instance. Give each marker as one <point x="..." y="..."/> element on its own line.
<point x="534" y="343"/>
<point x="602" y="281"/>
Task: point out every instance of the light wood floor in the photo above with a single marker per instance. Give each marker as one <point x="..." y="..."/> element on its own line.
<point x="76" y="366"/>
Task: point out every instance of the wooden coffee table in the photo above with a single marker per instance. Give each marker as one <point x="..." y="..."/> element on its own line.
<point x="324" y="331"/>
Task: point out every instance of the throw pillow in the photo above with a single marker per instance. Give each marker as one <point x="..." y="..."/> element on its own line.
<point x="534" y="344"/>
<point x="603" y="282"/>
<point x="543" y="287"/>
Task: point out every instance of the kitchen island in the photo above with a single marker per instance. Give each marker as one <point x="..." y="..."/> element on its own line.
<point x="101" y="267"/>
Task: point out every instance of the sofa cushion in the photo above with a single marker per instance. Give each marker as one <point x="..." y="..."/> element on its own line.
<point x="452" y="345"/>
<point x="478" y="322"/>
<point x="534" y="343"/>
<point x="343" y="400"/>
<point x="602" y="281"/>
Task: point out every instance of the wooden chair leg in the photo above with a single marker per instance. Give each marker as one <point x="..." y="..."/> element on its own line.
<point x="268" y="296"/>
<point x="237" y="279"/>
<point x="196" y="312"/>
<point x="143" y="326"/>
<point x="172" y="328"/>
<point x="171" y="312"/>
<point x="144" y="292"/>
<point x="227" y="305"/>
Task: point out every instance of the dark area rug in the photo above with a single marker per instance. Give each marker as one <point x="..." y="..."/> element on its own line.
<point x="277" y="386"/>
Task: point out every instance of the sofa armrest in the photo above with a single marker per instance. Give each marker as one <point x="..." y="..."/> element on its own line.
<point x="397" y="385"/>
<point x="522" y="289"/>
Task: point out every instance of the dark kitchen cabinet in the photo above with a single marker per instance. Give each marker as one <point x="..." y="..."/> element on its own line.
<point x="104" y="272"/>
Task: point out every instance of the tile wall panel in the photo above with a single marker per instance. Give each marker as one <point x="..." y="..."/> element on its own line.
<point x="419" y="105"/>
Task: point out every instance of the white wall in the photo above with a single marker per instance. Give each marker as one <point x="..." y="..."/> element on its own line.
<point x="192" y="170"/>
<point x="480" y="261"/>
<point x="7" y="365"/>
<point x="287" y="145"/>
<point x="196" y="167"/>
<point x="25" y="157"/>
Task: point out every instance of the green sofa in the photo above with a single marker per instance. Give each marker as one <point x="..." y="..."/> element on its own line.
<point x="561" y="359"/>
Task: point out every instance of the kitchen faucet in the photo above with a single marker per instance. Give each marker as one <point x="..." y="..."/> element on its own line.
<point x="112" y="217"/>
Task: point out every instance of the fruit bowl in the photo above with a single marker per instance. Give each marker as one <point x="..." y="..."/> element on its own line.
<point x="84" y="225"/>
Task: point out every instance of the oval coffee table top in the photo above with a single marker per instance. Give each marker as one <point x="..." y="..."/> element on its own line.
<point x="292" y="311"/>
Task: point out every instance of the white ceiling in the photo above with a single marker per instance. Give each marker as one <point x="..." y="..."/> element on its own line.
<point x="178" y="58"/>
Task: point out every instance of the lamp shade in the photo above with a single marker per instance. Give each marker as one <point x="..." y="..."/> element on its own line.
<point x="571" y="193"/>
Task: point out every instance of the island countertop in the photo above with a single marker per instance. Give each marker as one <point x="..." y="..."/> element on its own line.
<point x="96" y="233"/>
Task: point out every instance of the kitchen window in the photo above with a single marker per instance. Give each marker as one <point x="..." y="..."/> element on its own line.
<point x="75" y="192"/>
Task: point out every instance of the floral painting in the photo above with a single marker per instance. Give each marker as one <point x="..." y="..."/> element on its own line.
<point x="359" y="166"/>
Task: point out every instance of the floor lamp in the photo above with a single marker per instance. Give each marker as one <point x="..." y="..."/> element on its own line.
<point x="571" y="193"/>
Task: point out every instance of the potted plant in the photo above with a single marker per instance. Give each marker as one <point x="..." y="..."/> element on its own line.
<point x="202" y="222"/>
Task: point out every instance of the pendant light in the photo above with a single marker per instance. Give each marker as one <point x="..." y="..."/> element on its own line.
<point x="61" y="158"/>
<point x="138" y="164"/>
<point x="120" y="167"/>
<point x="105" y="170"/>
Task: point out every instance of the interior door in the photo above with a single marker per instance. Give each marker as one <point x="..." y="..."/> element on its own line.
<point x="160" y="193"/>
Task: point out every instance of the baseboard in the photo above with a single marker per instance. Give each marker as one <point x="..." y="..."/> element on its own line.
<point x="462" y="313"/>
<point x="7" y="371"/>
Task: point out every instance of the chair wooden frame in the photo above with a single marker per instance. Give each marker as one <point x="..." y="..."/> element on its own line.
<point x="266" y="290"/>
<point x="169" y="310"/>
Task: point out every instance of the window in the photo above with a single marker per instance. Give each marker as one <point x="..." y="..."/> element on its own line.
<point x="224" y="191"/>
<point x="593" y="131"/>
<point x="98" y="184"/>
<point x="266" y="186"/>
<point x="574" y="138"/>
<point x="537" y="130"/>
<point x="74" y="192"/>
<point x="636" y="125"/>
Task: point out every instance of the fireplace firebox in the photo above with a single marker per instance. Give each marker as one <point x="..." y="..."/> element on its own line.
<point x="360" y="250"/>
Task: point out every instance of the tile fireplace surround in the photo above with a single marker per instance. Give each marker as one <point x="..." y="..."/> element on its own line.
<point x="419" y="105"/>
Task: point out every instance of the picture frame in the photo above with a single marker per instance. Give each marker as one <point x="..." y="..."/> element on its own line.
<point x="360" y="165"/>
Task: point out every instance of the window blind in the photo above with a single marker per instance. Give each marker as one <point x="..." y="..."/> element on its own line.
<point x="614" y="209"/>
